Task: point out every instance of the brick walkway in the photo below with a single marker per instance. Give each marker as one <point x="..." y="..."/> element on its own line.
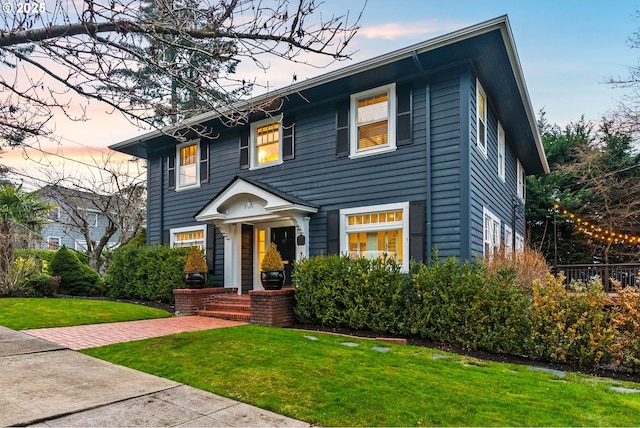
<point x="90" y="336"/>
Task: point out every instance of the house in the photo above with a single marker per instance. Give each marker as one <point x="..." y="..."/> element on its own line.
<point x="76" y="214"/>
<point x="423" y="148"/>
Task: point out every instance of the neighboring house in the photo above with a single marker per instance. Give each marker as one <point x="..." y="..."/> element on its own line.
<point x="423" y="148"/>
<point x="61" y="229"/>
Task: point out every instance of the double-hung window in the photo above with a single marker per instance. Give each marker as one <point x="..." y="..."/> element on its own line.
<point x="266" y="142"/>
<point x="491" y="233"/>
<point x="508" y="240"/>
<point x="501" y="151"/>
<point x="373" y="121"/>
<point x="481" y="118"/>
<point x="376" y="232"/>
<point x="188" y="164"/>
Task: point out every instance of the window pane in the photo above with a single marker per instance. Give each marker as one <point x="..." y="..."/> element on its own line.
<point x="268" y="143"/>
<point x="188" y="155"/>
<point x="373" y="134"/>
<point x="373" y="109"/>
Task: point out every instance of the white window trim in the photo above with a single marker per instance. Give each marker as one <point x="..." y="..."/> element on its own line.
<point x="49" y="238"/>
<point x="404" y="206"/>
<point x="253" y="142"/>
<point x="487" y="237"/>
<point x="508" y="239"/>
<point x="502" y="144"/>
<point x="391" y="122"/>
<point x="521" y="181"/>
<point x="179" y="185"/>
<point x="175" y="231"/>
<point x="54" y="214"/>
<point x="519" y="243"/>
<point x="480" y="90"/>
<point x="97" y="220"/>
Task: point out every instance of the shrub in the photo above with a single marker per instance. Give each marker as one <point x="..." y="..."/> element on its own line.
<point x="195" y="261"/>
<point x="626" y="321"/>
<point x="272" y="260"/>
<point x="571" y="324"/>
<point x="43" y="285"/>
<point x="146" y="273"/>
<point x="45" y="256"/>
<point x="76" y="278"/>
<point x="17" y="276"/>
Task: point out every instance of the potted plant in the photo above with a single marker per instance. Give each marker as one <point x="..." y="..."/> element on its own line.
<point x="272" y="269"/>
<point x="195" y="270"/>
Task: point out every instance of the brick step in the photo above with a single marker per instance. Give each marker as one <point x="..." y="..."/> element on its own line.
<point x="228" y="306"/>
<point x="232" y="298"/>
<point x="226" y="315"/>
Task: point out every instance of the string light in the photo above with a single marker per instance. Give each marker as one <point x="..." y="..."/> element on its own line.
<point x="596" y="232"/>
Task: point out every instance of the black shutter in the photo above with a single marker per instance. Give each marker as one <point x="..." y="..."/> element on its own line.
<point x="333" y="232"/>
<point x="204" y="161"/>
<point x="403" y="124"/>
<point x="166" y="238"/>
<point x="210" y="247"/>
<point x="342" y="130"/>
<point x="244" y="149"/>
<point x="288" y="124"/>
<point x="417" y="212"/>
<point x="171" y="172"/>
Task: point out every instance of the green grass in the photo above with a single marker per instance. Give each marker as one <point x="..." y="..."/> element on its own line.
<point x="27" y="313"/>
<point x="325" y="382"/>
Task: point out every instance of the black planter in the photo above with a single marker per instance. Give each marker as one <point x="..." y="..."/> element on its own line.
<point x="272" y="279"/>
<point x="195" y="279"/>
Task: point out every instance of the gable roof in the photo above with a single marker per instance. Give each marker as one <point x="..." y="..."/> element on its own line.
<point x="489" y="45"/>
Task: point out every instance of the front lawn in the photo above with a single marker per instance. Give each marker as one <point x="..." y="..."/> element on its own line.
<point x="27" y="313"/>
<point x="327" y="382"/>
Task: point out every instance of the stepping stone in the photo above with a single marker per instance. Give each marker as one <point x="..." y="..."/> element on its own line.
<point x="350" y="344"/>
<point x="625" y="390"/>
<point x="558" y="373"/>
<point x="311" y="337"/>
<point x="381" y="349"/>
<point x="440" y="356"/>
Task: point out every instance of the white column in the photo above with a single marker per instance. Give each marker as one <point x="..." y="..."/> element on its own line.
<point x="302" y="228"/>
<point x="231" y="255"/>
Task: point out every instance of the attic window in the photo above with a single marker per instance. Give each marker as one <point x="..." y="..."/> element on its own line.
<point x="374" y="121"/>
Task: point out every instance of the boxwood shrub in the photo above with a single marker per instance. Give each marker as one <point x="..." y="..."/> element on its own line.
<point x="146" y="273"/>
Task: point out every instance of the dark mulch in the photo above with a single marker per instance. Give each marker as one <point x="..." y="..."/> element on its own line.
<point x="612" y="372"/>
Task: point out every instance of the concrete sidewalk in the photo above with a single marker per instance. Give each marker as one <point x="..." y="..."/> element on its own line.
<point x="45" y="384"/>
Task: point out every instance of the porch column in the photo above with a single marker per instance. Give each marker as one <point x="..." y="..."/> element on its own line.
<point x="231" y="255"/>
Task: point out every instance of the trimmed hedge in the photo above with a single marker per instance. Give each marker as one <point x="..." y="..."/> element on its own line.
<point x="469" y="305"/>
<point x="146" y="273"/>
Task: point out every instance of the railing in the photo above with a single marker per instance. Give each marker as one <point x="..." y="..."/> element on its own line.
<point x="626" y="274"/>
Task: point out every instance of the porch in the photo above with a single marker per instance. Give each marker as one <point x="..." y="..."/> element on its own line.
<point x="627" y="274"/>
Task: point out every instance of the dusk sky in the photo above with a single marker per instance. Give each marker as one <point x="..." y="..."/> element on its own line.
<point x="567" y="49"/>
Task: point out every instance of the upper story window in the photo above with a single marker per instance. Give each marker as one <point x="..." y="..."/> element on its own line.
<point x="522" y="181"/>
<point x="501" y="152"/>
<point x="187" y="164"/>
<point x="481" y="118"/>
<point x="92" y="218"/>
<point x="190" y="165"/>
<point x="266" y="143"/>
<point x="54" y="214"/>
<point x="373" y="119"/>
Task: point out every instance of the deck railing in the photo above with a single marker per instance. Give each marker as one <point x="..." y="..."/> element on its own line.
<point x="626" y="274"/>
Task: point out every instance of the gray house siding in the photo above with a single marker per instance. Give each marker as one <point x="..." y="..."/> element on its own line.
<point x="446" y="173"/>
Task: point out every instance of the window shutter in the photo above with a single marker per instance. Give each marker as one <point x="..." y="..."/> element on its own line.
<point x="288" y="124"/>
<point x="333" y="232"/>
<point x="417" y="212"/>
<point x="342" y="130"/>
<point x="244" y="149"/>
<point x="171" y="172"/>
<point x="403" y="125"/>
<point x="210" y="246"/>
<point x="166" y="238"/>
<point x="204" y="162"/>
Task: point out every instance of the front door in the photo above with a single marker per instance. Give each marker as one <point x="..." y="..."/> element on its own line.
<point x="284" y="238"/>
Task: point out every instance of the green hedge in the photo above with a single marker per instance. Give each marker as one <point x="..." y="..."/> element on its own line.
<point x="76" y="278"/>
<point x="146" y="273"/>
<point x="465" y="304"/>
